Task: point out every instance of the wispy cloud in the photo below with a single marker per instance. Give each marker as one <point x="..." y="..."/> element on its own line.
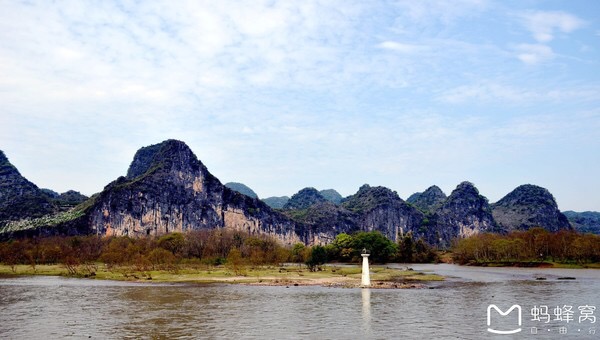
<point x="284" y="94"/>
<point x="544" y="24"/>
<point x="534" y="53"/>
<point x="402" y="48"/>
<point x="488" y="92"/>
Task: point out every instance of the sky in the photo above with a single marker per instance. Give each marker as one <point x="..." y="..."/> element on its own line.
<point x="282" y="95"/>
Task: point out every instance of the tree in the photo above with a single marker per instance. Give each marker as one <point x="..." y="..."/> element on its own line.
<point x="235" y="261"/>
<point x="173" y="242"/>
<point x="298" y="253"/>
<point x="343" y="247"/>
<point x="162" y="259"/>
<point x="380" y="247"/>
<point x="406" y="248"/>
<point x="316" y="258"/>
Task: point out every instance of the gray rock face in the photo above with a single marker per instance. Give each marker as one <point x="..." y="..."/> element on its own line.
<point x="380" y="209"/>
<point x="428" y="200"/>
<point x="322" y="222"/>
<point x="529" y="206"/>
<point x="464" y="213"/>
<point x="168" y="189"/>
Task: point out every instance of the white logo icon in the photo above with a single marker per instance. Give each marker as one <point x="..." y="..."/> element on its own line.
<point x="489" y="319"/>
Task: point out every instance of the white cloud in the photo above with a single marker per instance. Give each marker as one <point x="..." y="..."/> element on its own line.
<point x="401" y="47"/>
<point x="544" y="24"/>
<point x="445" y="12"/>
<point x="254" y="86"/>
<point x="486" y="92"/>
<point x="534" y="53"/>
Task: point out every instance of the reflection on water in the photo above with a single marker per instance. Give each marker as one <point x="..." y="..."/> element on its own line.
<point x="54" y="307"/>
<point x="366" y="309"/>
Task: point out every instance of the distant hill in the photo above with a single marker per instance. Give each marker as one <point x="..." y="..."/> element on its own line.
<point x="276" y="202"/>
<point x="428" y="200"/>
<point x="584" y="222"/>
<point x="304" y="199"/>
<point x="331" y="195"/>
<point x="242" y="189"/>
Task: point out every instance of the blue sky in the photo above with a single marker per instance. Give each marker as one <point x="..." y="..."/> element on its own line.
<point x="329" y="94"/>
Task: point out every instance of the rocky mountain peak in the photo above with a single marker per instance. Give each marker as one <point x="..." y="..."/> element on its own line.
<point x="464" y="213"/>
<point x="466" y="187"/>
<point x="428" y="200"/>
<point x="528" y="194"/>
<point x="304" y="199"/>
<point x="168" y="155"/>
<point x="466" y="195"/>
<point x="529" y="206"/>
<point x="368" y="198"/>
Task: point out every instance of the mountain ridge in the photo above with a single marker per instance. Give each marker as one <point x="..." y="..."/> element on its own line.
<point x="167" y="188"/>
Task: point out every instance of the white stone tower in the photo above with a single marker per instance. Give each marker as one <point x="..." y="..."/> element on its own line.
<point x="366" y="278"/>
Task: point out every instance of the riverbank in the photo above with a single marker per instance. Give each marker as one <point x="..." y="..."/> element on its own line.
<point x="288" y="275"/>
<point x="534" y="264"/>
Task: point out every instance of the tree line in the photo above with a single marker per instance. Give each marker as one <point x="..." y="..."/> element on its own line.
<point x="533" y="245"/>
<point x="206" y="248"/>
<point x="348" y="248"/>
<point x="201" y="247"/>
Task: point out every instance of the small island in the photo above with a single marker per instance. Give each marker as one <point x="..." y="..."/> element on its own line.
<point x="343" y="276"/>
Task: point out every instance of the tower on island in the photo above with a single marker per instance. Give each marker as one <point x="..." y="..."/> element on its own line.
<point x="365" y="278"/>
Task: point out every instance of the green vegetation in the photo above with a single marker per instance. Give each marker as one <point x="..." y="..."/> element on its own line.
<point x="50" y="220"/>
<point x="531" y="247"/>
<point x="44" y="221"/>
<point x="347" y="248"/>
<point x="367" y="198"/>
<point x="216" y="255"/>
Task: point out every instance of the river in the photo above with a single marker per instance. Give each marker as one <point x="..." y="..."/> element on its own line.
<point x="55" y="307"/>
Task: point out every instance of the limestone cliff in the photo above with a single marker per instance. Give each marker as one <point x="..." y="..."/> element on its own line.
<point x="321" y="222"/>
<point x="464" y="213"/>
<point x="168" y="189"/>
<point x="381" y="209"/>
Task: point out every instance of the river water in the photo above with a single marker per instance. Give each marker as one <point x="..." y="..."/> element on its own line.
<point x="55" y="307"/>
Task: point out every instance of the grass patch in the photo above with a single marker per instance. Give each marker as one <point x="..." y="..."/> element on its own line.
<point x="223" y="274"/>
